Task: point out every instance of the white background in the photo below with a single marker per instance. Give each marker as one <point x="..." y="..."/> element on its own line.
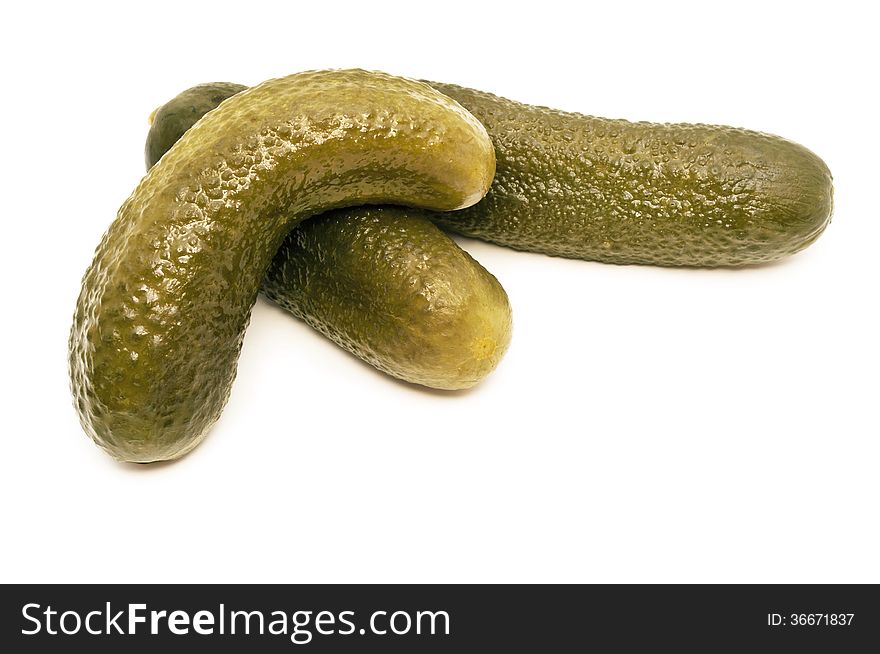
<point x="647" y="424"/>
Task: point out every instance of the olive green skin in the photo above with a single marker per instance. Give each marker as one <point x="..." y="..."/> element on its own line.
<point x="619" y="192"/>
<point x="384" y="283"/>
<point x="614" y="191"/>
<point x="163" y="307"/>
<point x="170" y="121"/>
<point x="395" y="291"/>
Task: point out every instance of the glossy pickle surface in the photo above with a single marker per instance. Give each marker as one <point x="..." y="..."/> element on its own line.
<point x="616" y="191"/>
<point x="384" y="283"/>
<point x="159" y="322"/>
<point x="641" y="193"/>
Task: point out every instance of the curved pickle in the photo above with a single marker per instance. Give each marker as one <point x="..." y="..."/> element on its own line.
<point x="163" y="307"/>
<point x="384" y="283"/>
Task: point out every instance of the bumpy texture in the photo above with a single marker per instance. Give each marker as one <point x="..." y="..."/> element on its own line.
<point x="160" y="319"/>
<point x="610" y="190"/>
<point x="171" y="121"/>
<point x="397" y="292"/>
<point x="606" y="190"/>
<point x="389" y="287"/>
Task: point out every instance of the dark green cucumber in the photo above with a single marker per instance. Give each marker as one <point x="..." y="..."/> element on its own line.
<point x="606" y="190"/>
<point x="622" y="192"/>
<point x="387" y="286"/>
<point x="163" y="308"/>
<point x="397" y="292"/>
<point x="170" y="121"/>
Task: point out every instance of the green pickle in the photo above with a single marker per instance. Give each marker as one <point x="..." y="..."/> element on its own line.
<point x="397" y="292"/>
<point x="384" y="283"/>
<point x="641" y="193"/>
<point x="164" y="305"/>
<point x="615" y="191"/>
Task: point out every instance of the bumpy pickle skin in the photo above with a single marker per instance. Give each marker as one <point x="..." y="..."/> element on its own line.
<point x="171" y="121"/>
<point x="615" y="191"/>
<point x="642" y="193"/>
<point x="161" y="315"/>
<point x="395" y="291"/>
<point x="384" y="283"/>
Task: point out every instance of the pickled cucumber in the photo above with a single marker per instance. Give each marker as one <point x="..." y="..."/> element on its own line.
<point x="397" y="292"/>
<point x="384" y="283"/>
<point x="615" y="191"/>
<point x="163" y="307"/>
